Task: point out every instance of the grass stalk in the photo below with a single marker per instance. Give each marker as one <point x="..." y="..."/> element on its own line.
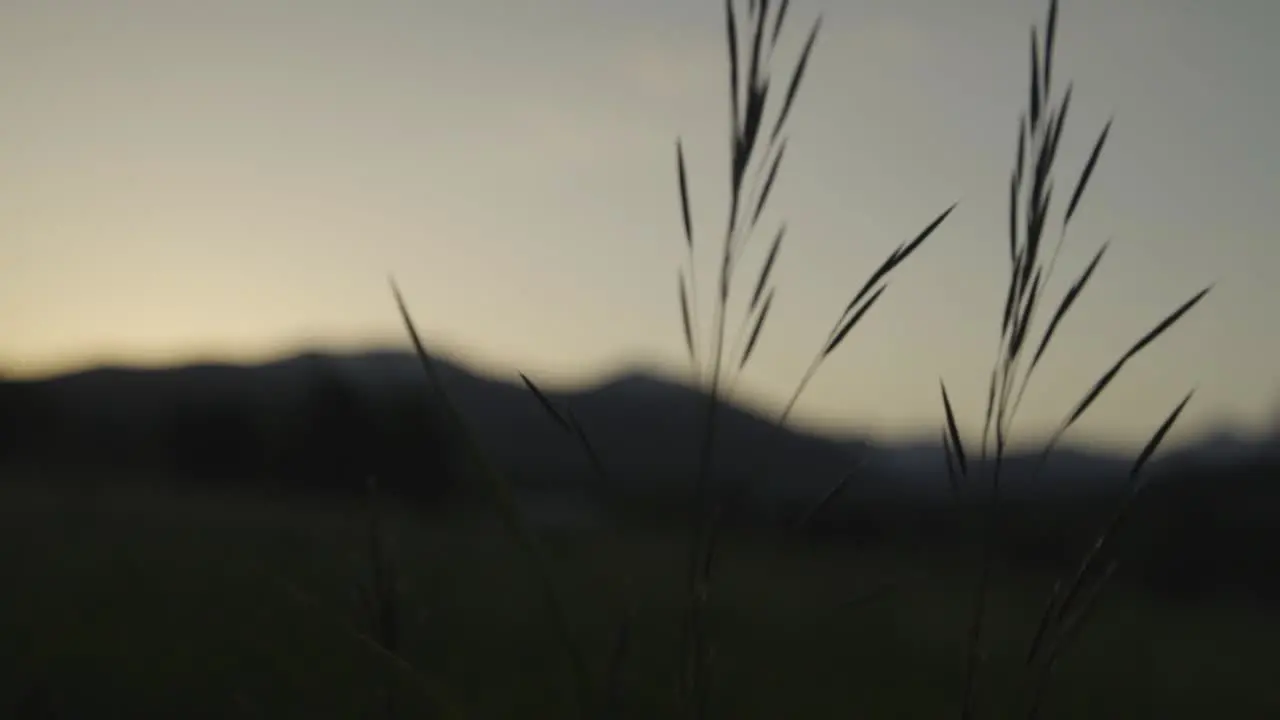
<point x="1040" y="129"/>
<point x="431" y="689"/>
<point x="380" y="597"/>
<point x="750" y="45"/>
<point x="751" y="38"/>
<point x="512" y="518"/>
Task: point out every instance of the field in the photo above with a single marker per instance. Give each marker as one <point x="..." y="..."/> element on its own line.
<point x="133" y="601"/>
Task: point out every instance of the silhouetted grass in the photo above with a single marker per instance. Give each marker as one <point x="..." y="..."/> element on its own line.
<point x="513" y="521"/>
<point x="758" y="145"/>
<point x="1040" y="129"/>
<point x="755" y="142"/>
<point x="758" y="142"/>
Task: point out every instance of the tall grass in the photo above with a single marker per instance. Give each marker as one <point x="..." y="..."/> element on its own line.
<point x="757" y="147"/>
<point x="1031" y="266"/>
<point x="758" y="114"/>
<point x="516" y="525"/>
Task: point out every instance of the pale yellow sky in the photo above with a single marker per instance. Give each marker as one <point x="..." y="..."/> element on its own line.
<point x="182" y="179"/>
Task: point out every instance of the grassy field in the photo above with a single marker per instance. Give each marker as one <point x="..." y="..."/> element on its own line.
<point x="137" y="602"/>
<point x="126" y="601"/>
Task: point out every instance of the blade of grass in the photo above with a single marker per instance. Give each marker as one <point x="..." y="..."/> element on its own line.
<point x="1050" y="34"/>
<point x="687" y="321"/>
<point x="953" y="476"/>
<point x="684" y="195"/>
<point x="954" y="432"/>
<point x="1064" y="306"/>
<point x="1086" y="173"/>
<point x="430" y="689"/>
<point x="767" y="268"/>
<point x="755" y="331"/>
<point x="509" y="513"/>
<point x="545" y="402"/>
<point x="796" y="78"/>
<point x="1135" y="486"/>
<point x="827" y="498"/>
<point x="1142" y="343"/>
<point x="568" y="422"/>
<point x="781" y="18"/>
<point x="1035" y="81"/>
<point x="769" y="181"/>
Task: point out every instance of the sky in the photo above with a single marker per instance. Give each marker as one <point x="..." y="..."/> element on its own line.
<point x="187" y="180"/>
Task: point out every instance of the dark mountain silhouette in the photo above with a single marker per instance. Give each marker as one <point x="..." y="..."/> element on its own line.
<point x="317" y="422"/>
<point x="645" y="427"/>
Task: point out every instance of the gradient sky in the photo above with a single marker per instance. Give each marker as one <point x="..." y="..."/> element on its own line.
<point x="184" y="179"/>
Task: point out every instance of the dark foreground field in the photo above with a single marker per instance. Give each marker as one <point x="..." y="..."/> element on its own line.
<point x="137" y="602"/>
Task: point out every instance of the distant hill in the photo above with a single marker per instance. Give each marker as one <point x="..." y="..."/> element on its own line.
<point x="646" y="428"/>
<point x="325" y="421"/>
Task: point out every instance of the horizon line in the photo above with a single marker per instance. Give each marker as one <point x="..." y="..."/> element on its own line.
<point x="636" y="367"/>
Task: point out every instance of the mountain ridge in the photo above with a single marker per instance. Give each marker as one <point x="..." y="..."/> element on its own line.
<point x="647" y="425"/>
